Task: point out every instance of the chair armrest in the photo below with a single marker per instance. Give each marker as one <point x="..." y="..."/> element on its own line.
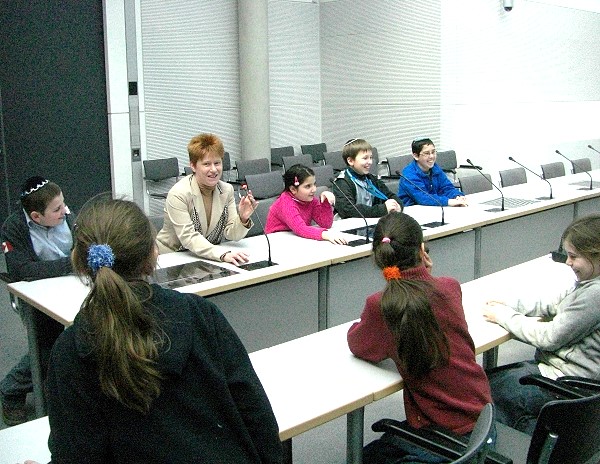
<point x="436" y="439"/>
<point x="553" y="386"/>
<point x="5" y="277"/>
<point x="468" y="166"/>
<point x="389" y="177"/>
<point x="581" y="382"/>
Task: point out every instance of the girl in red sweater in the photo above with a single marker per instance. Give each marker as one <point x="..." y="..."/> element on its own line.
<point x="419" y="322"/>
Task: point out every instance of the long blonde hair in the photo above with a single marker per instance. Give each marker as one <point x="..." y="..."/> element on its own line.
<point x="124" y="336"/>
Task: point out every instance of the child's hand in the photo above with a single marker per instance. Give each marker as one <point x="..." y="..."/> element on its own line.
<point x="329" y="196"/>
<point x="334" y="237"/>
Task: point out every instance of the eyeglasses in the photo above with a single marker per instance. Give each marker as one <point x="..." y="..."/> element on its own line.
<point x="427" y="154"/>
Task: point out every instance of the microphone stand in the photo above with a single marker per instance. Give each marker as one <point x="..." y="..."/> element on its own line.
<point x="592" y="148"/>
<point x="535" y="174"/>
<point x="259" y="264"/>
<point x="493" y="185"/>
<point x="431" y="224"/>
<point x="332" y="180"/>
<point x="579" y="167"/>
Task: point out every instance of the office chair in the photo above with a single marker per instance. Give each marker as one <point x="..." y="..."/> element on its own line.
<point x="262" y="211"/>
<point x="289" y="161"/>
<point x="334" y="159"/>
<point x="581" y="165"/>
<point x="315" y="150"/>
<point x="567" y="430"/>
<point x="375" y="166"/>
<point x="513" y="176"/>
<point x="552" y="170"/>
<point x="397" y="164"/>
<point x="157" y="220"/>
<point x="278" y="153"/>
<point x="265" y="185"/>
<point x="158" y="170"/>
<point x="474" y="184"/>
<point x="253" y="166"/>
<point x="443" y="443"/>
<point x="322" y="175"/>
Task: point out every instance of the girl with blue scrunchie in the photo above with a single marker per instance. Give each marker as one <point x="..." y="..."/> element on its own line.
<point x="147" y="374"/>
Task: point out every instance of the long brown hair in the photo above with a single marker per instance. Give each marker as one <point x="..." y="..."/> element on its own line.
<point x="405" y="304"/>
<point x="124" y="336"/>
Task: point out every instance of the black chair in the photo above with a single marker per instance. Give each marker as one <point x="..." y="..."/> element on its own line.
<point x="265" y="185"/>
<point x="334" y="159"/>
<point x="375" y="165"/>
<point x="443" y="443"/>
<point x="278" y="153"/>
<point x="475" y="183"/>
<point x="552" y="170"/>
<point x="160" y="170"/>
<point x="581" y="165"/>
<point x="322" y="175"/>
<point x="567" y="430"/>
<point x="397" y="164"/>
<point x="157" y="220"/>
<point x="513" y="176"/>
<point x="253" y="166"/>
<point x="315" y="150"/>
<point x="289" y="161"/>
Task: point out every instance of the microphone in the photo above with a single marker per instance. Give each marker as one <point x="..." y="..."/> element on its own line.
<point x="258" y="264"/>
<point x="332" y="180"/>
<point x="431" y="224"/>
<point x="493" y="185"/>
<point x="592" y="148"/>
<point x="579" y="167"/>
<point x="537" y="175"/>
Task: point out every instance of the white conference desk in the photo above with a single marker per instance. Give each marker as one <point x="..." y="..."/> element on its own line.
<point x="317" y="284"/>
<point x="314" y="379"/>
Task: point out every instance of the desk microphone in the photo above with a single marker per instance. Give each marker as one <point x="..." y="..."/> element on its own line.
<point x="332" y="180"/>
<point x="537" y="175"/>
<point x="592" y="148"/>
<point x="575" y="165"/>
<point x="493" y="185"/>
<point x="431" y="224"/>
<point x="258" y="264"/>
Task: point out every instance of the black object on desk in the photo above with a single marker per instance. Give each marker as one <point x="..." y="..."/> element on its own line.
<point x="188" y="274"/>
<point x="257" y="265"/>
<point x="360" y="231"/>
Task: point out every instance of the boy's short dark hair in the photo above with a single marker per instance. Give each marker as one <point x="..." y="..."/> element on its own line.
<point x="36" y="193"/>
<point x="353" y="147"/>
<point x="418" y="144"/>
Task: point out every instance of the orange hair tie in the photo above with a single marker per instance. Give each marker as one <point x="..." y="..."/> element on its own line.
<point x="392" y="272"/>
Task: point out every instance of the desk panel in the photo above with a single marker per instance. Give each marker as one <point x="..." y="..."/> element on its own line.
<point x="521" y="239"/>
<point x="274" y="312"/>
<point x="585" y="207"/>
<point x="454" y="255"/>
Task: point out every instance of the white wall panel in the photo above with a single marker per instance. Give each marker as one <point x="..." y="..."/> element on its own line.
<point x="381" y="72"/>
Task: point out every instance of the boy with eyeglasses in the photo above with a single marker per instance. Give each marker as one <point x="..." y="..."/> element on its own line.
<point x="424" y="183"/>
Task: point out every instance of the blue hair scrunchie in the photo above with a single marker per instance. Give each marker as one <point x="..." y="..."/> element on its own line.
<point x="100" y="256"/>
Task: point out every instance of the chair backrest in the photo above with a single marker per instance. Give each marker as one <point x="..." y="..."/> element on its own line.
<point x="398" y="163"/>
<point x="322" y="175"/>
<point x="513" y="176"/>
<point x="226" y="161"/>
<point x="334" y="158"/>
<point x="253" y="166"/>
<point x="477" y="448"/>
<point x="315" y="150"/>
<point x="446" y="160"/>
<point x="289" y="161"/>
<point x="157" y="220"/>
<point x="158" y="170"/>
<point x="262" y="210"/>
<point x="161" y="169"/>
<point x="566" y="432"/>
<point x="550" y="170"/>
<point x="265" y="185"/>
<point x="581" y="165"/>
<point x="187" y="170"/>
<point x="375" y="154"/>
<point x="475" y="183"/>
<point x="279" y="152"/>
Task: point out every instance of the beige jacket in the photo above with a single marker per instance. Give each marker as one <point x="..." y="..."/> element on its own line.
<point x="185" y="220"/>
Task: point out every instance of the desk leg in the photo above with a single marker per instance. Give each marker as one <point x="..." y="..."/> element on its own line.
<point x="287" y="451"/>
<point x="34" y="359"/>
<point x="490" y="358"/>
<point x="323" y="274"/>
<point x="355" y="436"/>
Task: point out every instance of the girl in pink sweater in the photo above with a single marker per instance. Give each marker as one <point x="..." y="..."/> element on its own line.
<point x="297" y="207"/>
